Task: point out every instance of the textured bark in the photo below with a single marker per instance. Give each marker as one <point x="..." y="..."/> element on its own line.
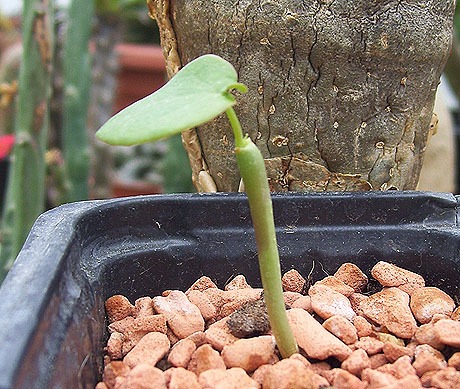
<point x="340" y="92"/>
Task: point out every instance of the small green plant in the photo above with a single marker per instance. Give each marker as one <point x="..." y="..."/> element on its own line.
<point x="198" y="93"/>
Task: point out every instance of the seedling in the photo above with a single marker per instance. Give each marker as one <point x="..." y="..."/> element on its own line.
<point x="198" y="93"/>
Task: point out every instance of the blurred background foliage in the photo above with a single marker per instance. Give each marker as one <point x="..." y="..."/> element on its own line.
<point x="115" y="22"/>
<point x="452" y="69"/>
<point x="90" y="54"/>
<point x="133" y="16"/>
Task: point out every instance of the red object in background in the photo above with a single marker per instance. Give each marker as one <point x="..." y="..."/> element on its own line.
<point x="120" y="188"/>
<point x="142" y="71"/>
<point x="6" y="144"/>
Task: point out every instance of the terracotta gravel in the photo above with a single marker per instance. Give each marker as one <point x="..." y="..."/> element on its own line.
<point x="404" y="335"/>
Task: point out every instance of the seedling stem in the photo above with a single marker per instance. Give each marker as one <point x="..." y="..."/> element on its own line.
<point x="252" y="170"/>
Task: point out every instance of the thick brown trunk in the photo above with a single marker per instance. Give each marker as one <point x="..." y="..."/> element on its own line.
<point x="340" y="94"/>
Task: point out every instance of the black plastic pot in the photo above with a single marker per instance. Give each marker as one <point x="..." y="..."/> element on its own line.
<point x="51" y="303"/>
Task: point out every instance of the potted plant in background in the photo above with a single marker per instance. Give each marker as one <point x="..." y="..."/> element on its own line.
<point x="126" y="37"/>
<point x="141" y="70"/>
<point x="138" y="170"/>
<point x="62" y="111"/>
<point x="129" y="62"/>
<point x="126" y="64"/>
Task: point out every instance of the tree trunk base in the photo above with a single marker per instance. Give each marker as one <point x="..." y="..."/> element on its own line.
<point x="340" y="94"/>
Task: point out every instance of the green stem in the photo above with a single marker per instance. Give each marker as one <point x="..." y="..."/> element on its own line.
<point x="236" y="126"/>
<point x="77" y="81"/>
<point x="26" y="189"/>
<point x="252" y="169"/>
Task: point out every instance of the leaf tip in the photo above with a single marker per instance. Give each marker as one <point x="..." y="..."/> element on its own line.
<point x="239" y="86"/>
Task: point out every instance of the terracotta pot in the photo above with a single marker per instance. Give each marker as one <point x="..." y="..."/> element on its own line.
<point x="121" y="188"/>
<point x="142" y="71"/>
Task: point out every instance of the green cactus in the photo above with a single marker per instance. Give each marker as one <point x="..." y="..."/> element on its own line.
<point x="77" y="81"/>
<point x="26" y="190"/>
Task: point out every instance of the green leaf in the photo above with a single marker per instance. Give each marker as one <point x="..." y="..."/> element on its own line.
<point x="195" y="95"/>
